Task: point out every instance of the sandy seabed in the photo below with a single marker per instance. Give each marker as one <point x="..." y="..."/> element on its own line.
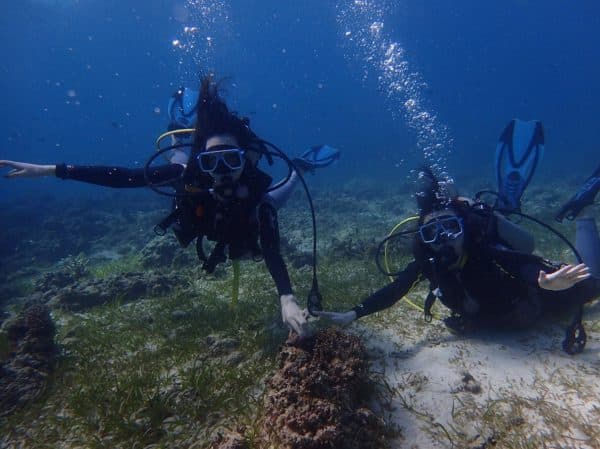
<point x="500" y="389"/>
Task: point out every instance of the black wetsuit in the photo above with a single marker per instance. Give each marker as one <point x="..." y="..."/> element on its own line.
<point x="495" y="285"/>
<point x="266" y="215"/>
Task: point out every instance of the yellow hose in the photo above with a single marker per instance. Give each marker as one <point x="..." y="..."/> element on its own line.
<point x="387" y="264"/>
<point x="235" y="285"/>
<point x="385" y="247"/>
<point x="172" y="133"/>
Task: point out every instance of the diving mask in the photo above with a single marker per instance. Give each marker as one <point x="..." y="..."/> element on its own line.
<point x="441" y="229"/>
<point x="232" y="158"/>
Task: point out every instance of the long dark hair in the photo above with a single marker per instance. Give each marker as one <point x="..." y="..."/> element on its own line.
<point x="215" y="118"/>
<point x="432" y="194"/>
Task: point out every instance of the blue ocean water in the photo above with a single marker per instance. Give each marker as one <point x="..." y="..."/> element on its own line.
<point x="88" y="81"/>
<point x="392" y="83"/>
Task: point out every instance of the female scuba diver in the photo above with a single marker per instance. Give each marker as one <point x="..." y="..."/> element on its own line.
<point x="221" y="194"/>
<point x="480" y="266"/>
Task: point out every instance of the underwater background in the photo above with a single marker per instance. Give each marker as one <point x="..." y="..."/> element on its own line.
<point x="152" y="352"/>
<point x="88" y="81"/>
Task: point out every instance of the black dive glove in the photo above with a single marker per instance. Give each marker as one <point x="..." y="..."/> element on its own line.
<point x="584" y="197"/>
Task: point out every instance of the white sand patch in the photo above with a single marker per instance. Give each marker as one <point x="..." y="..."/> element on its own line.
<point x="501" y="389"/>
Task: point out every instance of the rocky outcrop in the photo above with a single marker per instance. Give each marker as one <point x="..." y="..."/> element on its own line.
<point x="127" y="287"/>
<point x="89" y="292"/>
<point x="229" y="440"/>
<point x="314" y="399"/>
<point x="164" y="251"/>
<point x="31" y="344"/>
<point x="68" y="271"/>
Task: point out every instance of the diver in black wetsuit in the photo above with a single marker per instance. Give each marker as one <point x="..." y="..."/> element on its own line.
<point x="224" y="197"/>
<point x="480" y="275"/>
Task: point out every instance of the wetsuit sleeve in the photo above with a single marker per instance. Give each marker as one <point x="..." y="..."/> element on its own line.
<point x="523" y="266"/>
<point x="391" y="293"/>
<point x="269" y="242"/>
<point x="530" y="271"/>
<point x="119" y="177"/>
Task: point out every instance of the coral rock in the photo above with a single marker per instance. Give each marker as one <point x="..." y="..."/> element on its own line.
<point x="314" y="399"/>
<point x="23" y="375"/>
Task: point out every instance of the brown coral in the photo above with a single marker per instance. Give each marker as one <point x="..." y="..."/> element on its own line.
<point x="314" y="399"/>
<point x="228" y="440"/>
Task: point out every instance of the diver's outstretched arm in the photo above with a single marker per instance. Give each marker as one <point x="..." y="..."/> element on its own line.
<point x="107" y="176"/>
<point x="291" y="314"/>
<point x="382" y="299"/>
<point x="25" y="170"/>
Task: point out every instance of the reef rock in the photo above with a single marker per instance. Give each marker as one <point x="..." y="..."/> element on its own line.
<point x="127" y="287"/>
<point x="314" y="399"/>
<point x="228" y="440"/>
<point x="349" y="248"/>
<point x="165" y="251"/>
<point x="31" y="344"/>
<point x="69" y="270"/>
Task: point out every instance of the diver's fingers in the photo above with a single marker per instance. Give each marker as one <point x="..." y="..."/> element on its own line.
<point x="583" y="271"/>
<point x="576" y="267"/>
<point x="298" y="327"/>
<point x="13" y="164"/>
<point x="334" y="317"/>
<point x="566" y="271"/>
<point x="14" y="173"/>
<point x="324" y="314"/>
<point x="581" y="277"/>
<point x="17" y="168"/>
<point x="560" y="272"/>
<point x="306" y="314"/>
<point x="297" y="324"/>
<point x="574" y="270"/>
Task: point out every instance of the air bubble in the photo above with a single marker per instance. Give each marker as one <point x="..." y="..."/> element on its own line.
<point x="386" y="60"/>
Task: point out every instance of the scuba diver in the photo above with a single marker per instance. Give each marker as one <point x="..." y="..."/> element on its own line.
<point x="220" y="193"/>
<point x="181" y="110"/>
<point x="480" y="265"/>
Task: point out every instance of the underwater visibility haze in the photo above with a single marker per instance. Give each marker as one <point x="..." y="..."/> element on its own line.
<point x="152" y="352"/>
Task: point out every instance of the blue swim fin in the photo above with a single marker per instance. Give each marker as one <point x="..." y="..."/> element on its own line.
<point x="520" y="148"/>
<point x="316" y="157"/>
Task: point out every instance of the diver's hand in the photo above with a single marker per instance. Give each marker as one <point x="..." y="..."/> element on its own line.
<point x="563" y="278"/>
<point x="24" y="170"/>
<point x="293" y="316"/>
<point x="341" y="318"/>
